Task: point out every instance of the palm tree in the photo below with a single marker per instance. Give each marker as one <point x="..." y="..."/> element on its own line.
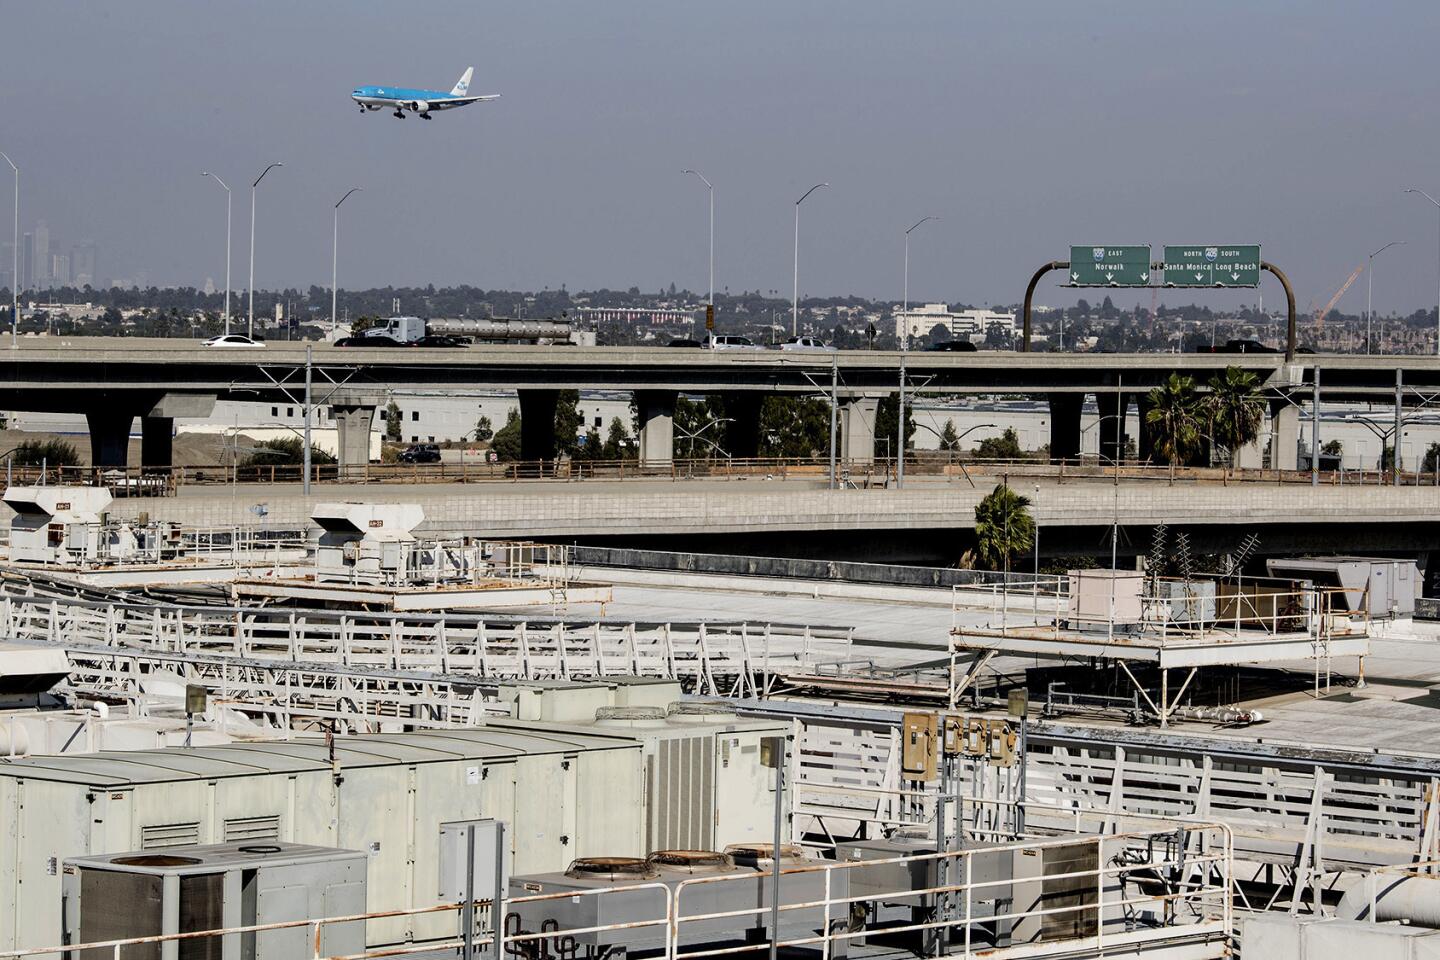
<point x="1003" y="527"/>
<point x="1173" y="416"/>
<point x="1236" y="408"/>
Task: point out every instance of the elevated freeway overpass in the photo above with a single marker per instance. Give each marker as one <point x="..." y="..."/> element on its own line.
<point x="114" y="380"/>
<point x="929" y="521"/>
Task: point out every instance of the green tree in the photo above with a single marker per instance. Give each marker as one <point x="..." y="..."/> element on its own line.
<point x="1004" y="528"/>
<point x="1174" y="419"/>
<point x="949" y="439"/>
<point x="617" y="441"/>
<point x="592" y="447"/>
<point x="568" y="422"/>
<point x="1387" y="458"/>
<point x="1432" y="455"/>
<point x="1236" y="409"/>
<point x="1333" y="448"/>
<point x="794" y="427"/>
<point x="506" y="442"/>
<point x="885" y="422"/>
<point x="284" y="452"/>
<point x="392" y="421"/>
<point x="699" y="427"/>
<point x="484" y="430"/>
<point x="52" y="453"/>
<point x="1004" y="447"/>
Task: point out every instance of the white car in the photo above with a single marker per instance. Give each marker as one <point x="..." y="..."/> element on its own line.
<point x="733" y="342"/>
<point x="232" y="340"/>
<point x="806" y="343"/>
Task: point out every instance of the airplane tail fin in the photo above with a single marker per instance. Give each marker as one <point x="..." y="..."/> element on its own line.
<point x="464" y="85"/>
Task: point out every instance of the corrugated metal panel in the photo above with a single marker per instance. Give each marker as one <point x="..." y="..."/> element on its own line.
<point x="163" y="835"/>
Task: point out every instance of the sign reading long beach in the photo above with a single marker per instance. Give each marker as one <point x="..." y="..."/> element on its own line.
<point x="1237" y="265"/>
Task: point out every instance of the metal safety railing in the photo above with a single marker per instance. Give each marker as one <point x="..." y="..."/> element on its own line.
<point x="1143" y="888"/>
<point x="713" y="657"/>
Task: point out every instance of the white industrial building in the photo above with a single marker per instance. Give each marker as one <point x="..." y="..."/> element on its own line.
<point x="919" y="320"/>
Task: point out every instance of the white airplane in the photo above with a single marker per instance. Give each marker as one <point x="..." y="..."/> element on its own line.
<point x="422" y="102"/>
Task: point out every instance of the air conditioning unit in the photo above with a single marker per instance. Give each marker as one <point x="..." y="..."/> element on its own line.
<point x="197" y="888"/>
<point x="365" y="542"/>
<point x="56" y="524"/>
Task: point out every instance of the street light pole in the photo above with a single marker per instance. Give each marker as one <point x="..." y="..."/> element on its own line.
<point x="795" y="289"/>
<point x="905" y="305"/>
<point x="335" y="254"/>
<point x="252" y="242"/>
<point x="1370" y="288"/>
<point x="1437" y="278"/>
<point x="711" y="188"/>
<point x="222" y="183"/>
<point x="15" y="265"/>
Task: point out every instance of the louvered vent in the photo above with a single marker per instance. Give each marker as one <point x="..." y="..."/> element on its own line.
<point x="252" y="828"/>
<point x="163" y="835"/>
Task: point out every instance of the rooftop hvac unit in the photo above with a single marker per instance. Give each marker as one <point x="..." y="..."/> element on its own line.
<point x="191" y="889"/>
<point x="880" y="888"/>
<point x="56" y="524"/>
<point x="1378" y="586"/>
<point x="364" y="542"/>
<point x="747" y="889"/>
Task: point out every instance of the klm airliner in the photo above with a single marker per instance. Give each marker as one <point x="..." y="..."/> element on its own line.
<point x="422" y="102"/>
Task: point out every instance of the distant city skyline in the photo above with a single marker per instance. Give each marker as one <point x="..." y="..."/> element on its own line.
<point x="1023" y="128"/>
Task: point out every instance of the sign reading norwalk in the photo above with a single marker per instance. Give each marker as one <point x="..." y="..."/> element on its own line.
<point x="1099" y="266"/>
<point x="1217" y="266"/>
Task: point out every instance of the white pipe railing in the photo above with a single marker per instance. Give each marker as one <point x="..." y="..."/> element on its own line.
<point x="1186" y="907"/>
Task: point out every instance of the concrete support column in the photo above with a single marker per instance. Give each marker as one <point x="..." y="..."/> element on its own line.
<point x="157" y="443"/>
<point x="742" y="433"/>
<point x="656" y="410"/>
<point x="1145" y="446"/>
<point x="856" y="426"/>
<point x="537" y="424"/>
<point x="1112" y="426"/>
<point x="1284" y="435"/>
<point x="1065" y="426"/>
<point x="1252" y="455"/>
<point x="353" y="422"/>
<point x="109" y="437"/>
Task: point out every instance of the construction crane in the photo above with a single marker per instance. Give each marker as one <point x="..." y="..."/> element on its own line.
<point x="1321" y="314"/>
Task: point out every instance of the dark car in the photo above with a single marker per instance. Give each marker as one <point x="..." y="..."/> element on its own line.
<point x="684" y="342"/>
<point x="1239" y="346"/>
<point x="367" y="342"/>
<point x="441" y="340"/>
<point x="952" y="346"/>
<point x="420" y="453"/>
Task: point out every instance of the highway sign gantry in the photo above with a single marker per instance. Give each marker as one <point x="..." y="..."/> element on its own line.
<point x="1235" y="265"/>
<point x="1109" y="266"/>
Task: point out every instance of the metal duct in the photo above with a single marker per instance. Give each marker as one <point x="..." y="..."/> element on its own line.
<point x="502" y="329"/>
<point x="1414" y="899"/>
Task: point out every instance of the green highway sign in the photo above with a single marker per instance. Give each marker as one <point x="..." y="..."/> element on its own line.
<point x="1098" y="266"/>
<point x="1237" y="265"/>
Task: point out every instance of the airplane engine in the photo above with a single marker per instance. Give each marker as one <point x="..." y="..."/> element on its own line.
<point x="420" y="106"/>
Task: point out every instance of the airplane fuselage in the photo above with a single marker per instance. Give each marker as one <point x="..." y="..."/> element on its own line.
<point x="422" y="102"/>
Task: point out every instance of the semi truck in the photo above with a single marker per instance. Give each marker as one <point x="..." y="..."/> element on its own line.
<point x="408" y="331"/>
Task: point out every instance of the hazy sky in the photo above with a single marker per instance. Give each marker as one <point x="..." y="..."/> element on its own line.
<point x="1026" y="126"/>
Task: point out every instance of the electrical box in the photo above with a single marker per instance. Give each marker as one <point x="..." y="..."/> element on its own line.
<point x="490" y="847"/>
<point x="917" y="752"/>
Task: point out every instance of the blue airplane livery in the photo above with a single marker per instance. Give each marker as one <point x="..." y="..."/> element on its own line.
<point x="422" y="102"/>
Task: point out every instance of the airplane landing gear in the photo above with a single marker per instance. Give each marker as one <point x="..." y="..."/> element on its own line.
<point x="425" y="116"/>
<point x="399" y="115"/>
